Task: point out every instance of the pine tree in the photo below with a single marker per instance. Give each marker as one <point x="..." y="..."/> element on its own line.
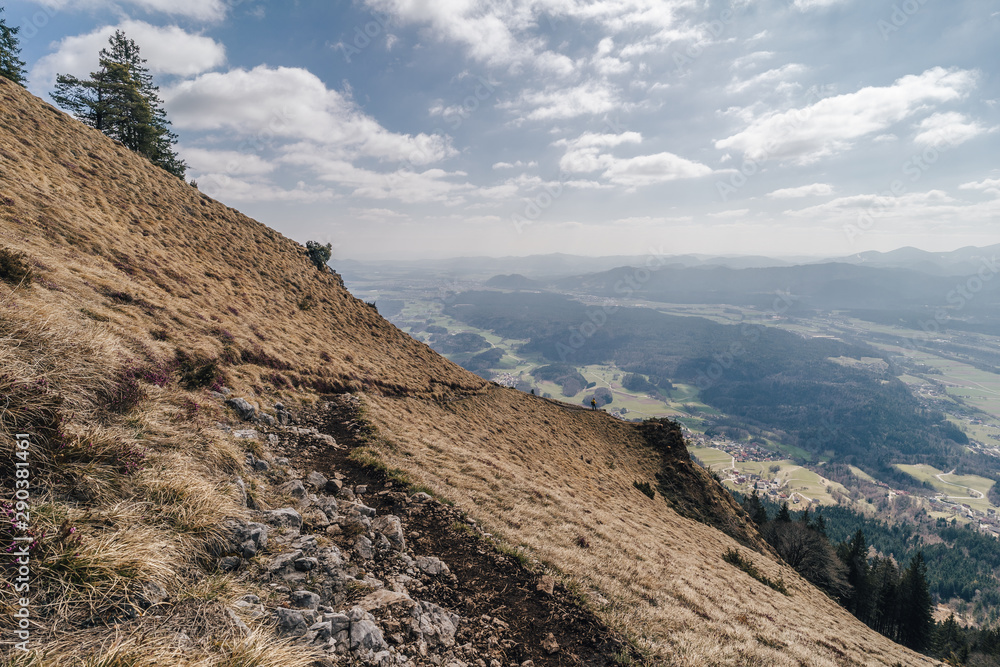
<point x="11" y="67"/>
<point x="121" y="101"/>
<point x="854" y="554"/>
<point x="916" y="606"/>
<point x="755" y="508"/>
<point x="783" y="515"/>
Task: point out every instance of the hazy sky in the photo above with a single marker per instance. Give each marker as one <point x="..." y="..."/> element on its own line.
<point x="405" y="128"/>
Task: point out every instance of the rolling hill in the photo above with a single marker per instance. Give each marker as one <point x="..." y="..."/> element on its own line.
<point x="132" y="304"/>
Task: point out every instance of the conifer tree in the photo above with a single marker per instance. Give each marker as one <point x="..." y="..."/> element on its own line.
<point x="121" y="101"/>
<point x="11" y="67"/>
<point x="916" y="606"/>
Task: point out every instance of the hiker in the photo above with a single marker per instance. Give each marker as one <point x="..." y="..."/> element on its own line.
<point x="593" y="404"/>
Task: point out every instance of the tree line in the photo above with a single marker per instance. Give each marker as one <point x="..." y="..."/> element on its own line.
<point x="866" y="578"/>
<point x="119" y="98"/>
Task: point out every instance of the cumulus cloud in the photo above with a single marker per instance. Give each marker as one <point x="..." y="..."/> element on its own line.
<point x="514" y="165"/>
<point x="225" y="161"/>
<point x="590" y="98"/>
<point x="947" y="129"/>
<point x="833" y="124"/>
<point x="264" y="104"/>
<point x="814" y="190"/>
<point x="589" y="153"/>
<point x="769" y="78"/>
<point x="990" y="186"/>
<point x="167" y="50"/>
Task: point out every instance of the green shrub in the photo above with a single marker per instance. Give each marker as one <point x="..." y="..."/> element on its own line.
<point x="734" y="557"/>
<point x="645" y="488"/>
<point x="319" y="254"/>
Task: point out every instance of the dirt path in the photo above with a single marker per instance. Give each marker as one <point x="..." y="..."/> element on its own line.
<point x="490" y="583"/>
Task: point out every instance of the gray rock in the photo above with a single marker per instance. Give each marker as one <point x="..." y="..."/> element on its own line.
<point x="285" y="517"/>
<point x="294" y="488"/>
<point x="266" y="419"/>
<point x="317" y="480"/>
<point x="338" y="622"/>
<point x="241" y="491"/>
<point x="304" y="600"/>
<point x="392" y="528"/>
<point x="306" y="564"/>
<point x="272" y="438"/>
<point x="291" y="623"/>
<point x="284" y="562"/>
<point x="229" y="563"/>
<point x="243" y="408"/>
<point x="432" y="566"/>
<point x="435" y="624"/>
<point x="323" y="630"/>
<point x="284" y="418"/>
<point x="261" y="465"/>
<point x="363" y="547"/>
<point x="550" y="645"/>
<point x="346" y="492"/>
<point x="420" y="497"/>
<point x="279" y="406"/>
<point x="333" y="486"/>
<point x="245" y="434"/>
<point x="329" y="506"/>
<point x="316" y="518"/>
<point x="366" y="635"/>
<point x="361" y="489"/>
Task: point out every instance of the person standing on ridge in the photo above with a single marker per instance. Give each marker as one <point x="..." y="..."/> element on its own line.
<point x="593" y="404"/>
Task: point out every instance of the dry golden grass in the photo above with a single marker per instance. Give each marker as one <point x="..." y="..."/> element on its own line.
<point x="135" y="269"/>
<point x="518" y="464"/>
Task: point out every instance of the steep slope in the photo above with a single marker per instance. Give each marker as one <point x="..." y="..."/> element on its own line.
<point x="146" y="294"/>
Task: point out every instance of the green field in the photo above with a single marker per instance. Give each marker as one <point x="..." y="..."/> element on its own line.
<point x="969" y="490"/>
<point x="794" y="477"/>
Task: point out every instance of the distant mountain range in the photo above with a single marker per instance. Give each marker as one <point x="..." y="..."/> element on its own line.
<point x="964" y="261"/>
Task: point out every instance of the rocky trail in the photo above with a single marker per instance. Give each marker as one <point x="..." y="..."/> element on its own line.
<point x="367" y="572"/>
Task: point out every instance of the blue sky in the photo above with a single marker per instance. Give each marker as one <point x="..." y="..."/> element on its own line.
<point x="422" y="128"/>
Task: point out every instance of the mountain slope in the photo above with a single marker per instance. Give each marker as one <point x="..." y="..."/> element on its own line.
<point x="146" y="294"/>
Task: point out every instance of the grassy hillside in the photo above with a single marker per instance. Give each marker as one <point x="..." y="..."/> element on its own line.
<point x="144" y="295"/>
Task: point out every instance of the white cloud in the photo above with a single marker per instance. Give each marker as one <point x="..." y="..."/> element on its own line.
<point x="990" y="186"/>
<point x="233" y="163"/>
<point x="167" y="50"/>
<point x="947" y="129"/>
<point x="814" y="190"/>
<point x="752" y="59"/>
<point x="733" y="213"/>
<point x="225" y="187"/>
<point x="584" y="155"/>
<point x="805" y="5"/>
<point x="514" y="165"/>
<point x="202" y="10"/>
<point x="770" y="78"/>
<point x="550" y="62"/>
<point x="592" y="97"/>
<point x="832" y="124"/>
<point x="292" y="103"/>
